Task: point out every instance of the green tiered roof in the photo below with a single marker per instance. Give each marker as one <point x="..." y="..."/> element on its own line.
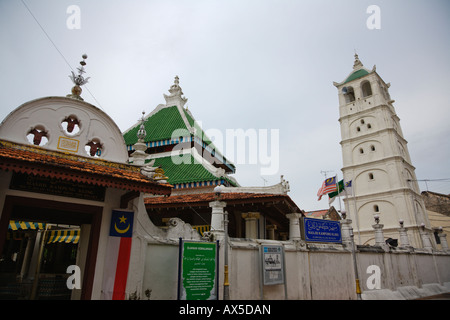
<point x="159" y="126"/>
<point x="190" y="172"/>
<point x="159" y="131"/>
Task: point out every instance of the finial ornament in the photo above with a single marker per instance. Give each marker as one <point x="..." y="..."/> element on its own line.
<point x="176" y="94"/>
<point x="175" y="89"/>
<point x="141" y="134"/>
<point x="78" y="80"/>
<point x="358" y="64"/>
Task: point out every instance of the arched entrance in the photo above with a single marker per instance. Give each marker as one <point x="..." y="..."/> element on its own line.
<point x="34" y="261"/>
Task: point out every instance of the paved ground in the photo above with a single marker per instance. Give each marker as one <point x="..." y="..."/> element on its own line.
<point x="443" y="296"/>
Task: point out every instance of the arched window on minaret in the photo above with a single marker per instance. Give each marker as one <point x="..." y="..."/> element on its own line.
<point x="349" y="95"/>
<point x="366" y="89"/>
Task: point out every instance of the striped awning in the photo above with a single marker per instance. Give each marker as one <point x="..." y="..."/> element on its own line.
<point x="25" y="225"/>
<point x="202" y="229"/>
<point x="66" y="236"/>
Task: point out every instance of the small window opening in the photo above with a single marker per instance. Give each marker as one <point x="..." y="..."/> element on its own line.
<point x="38" y="136"/>
<point x="71" y="124"/>
<point x="94" y="148"/>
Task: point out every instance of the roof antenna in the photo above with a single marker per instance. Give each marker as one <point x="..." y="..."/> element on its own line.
<point x="325" y="172"/>
<point x="264" y="181"/>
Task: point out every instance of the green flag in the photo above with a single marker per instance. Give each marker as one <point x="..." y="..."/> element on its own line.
<point x="332" y="195"/>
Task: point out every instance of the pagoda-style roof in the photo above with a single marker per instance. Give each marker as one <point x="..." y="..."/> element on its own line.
<point x="170" y="128"/>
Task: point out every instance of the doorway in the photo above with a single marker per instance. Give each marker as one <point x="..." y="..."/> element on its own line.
<point x="52" y="236"/>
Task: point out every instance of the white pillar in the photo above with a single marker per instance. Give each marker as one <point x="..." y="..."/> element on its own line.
<point x="404" y="239"/>
<point x="379" y="236"/>
<point x="294" y="226"/>
<point x="251" y="224"/>
<point x="217" y="226"/>
<point x="443" y="240"/>
<point x="346" y="226"/>
<point x="271" y="231"/>
<point x="426" y="240"/>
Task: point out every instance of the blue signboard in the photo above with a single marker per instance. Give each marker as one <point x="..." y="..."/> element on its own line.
<point x="318" y="230"/>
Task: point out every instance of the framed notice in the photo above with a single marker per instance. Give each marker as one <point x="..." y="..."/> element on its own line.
<point x="272" y="258"/>
<point x="198" y="270"/>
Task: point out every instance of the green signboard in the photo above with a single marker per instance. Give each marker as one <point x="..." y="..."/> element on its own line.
<point x="198" y="271"/>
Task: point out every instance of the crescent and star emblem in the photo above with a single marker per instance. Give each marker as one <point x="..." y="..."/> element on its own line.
<point x="122" y="220"/>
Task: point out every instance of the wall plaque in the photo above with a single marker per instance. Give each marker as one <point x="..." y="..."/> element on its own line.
<point x="58" y="187"/>
<point x="67" y="144"/>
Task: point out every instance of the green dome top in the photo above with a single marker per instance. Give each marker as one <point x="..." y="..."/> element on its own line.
<point x="357" y="74"/>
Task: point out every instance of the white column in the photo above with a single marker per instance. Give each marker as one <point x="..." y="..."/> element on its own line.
<point x="251" y="224"/>
<point x="443" y="240"/>
<point x="217" y="226"/>
<point x="426" y="240"/>
<point x="294" y="226"/>
<point x="379" y="236"/>
<point x="346" y="226"/>
<point x="271" y="231"/>
<point x="403" y="232"/>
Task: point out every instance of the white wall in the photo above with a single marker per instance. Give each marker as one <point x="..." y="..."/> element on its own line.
<point x="313" y="271"/>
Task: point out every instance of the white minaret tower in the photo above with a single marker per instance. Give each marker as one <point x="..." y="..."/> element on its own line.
<point x="376" y="160"/>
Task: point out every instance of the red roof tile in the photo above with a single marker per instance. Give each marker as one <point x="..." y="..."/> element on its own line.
<point x="42" y="162"/>
<point x="203" y="199"/>
<point x="317" y="213"/>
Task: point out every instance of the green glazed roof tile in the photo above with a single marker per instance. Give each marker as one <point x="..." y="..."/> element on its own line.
<point x="159" y="126"/>
<point x="185" y="172"/>
<point x="357" y="74"/>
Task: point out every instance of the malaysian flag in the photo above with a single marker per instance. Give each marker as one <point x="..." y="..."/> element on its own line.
<point x="329" y="185"/>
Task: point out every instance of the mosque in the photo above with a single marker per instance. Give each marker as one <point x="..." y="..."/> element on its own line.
<point x="76" y="191"/>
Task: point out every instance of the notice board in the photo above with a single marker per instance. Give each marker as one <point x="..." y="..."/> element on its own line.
<point x="198" y="270"/>
<point x="272" y="264"/>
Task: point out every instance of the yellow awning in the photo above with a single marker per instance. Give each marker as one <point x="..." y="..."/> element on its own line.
<point x="25" y="225"/>
<point x="66" y="236"/>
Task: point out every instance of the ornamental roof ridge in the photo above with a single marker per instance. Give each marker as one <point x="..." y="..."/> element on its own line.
<point x="68" y="156"/>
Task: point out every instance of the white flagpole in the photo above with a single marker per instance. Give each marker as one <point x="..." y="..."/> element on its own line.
<point x="339" y="194"/>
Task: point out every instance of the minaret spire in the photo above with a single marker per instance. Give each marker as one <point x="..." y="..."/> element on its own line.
<point x="357" y="64"/>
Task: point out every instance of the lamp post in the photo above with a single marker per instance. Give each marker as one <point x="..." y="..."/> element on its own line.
<point x="355" y="267"/>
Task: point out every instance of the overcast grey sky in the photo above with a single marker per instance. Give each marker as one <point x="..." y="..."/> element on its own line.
<point x="263" y="64"/>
